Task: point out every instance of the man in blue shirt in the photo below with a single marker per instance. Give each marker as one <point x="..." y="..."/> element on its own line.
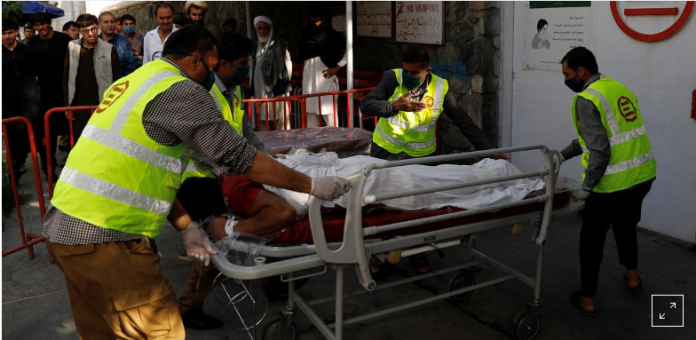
<point x="127" y="61"/>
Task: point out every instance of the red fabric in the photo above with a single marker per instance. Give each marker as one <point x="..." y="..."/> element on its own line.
<point x="300" y="232"/>
<point x="241" y="193"/>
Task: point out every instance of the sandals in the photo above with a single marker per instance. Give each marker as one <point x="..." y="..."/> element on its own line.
<point x="420" y="263"/>
<point x="636" y="288"/>
<point x="575" y="299"/>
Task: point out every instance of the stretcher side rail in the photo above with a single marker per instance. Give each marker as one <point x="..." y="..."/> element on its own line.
<point x="352" y="250"/>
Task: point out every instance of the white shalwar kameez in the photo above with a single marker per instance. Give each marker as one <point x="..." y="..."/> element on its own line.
<point x="313" y="81"/>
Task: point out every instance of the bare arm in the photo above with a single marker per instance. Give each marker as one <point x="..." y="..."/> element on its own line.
<point x="178" y="217"/>
<point x="266" y="170"/>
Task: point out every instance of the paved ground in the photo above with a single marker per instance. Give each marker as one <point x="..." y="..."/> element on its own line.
<point x="35" y="304"/>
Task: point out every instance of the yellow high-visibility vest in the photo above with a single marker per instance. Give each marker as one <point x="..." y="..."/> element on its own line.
<point x="412" y="132"/>
<point x="117" y="177"/>
<point x="632" y="161"/>
<point x="233" y="114"/>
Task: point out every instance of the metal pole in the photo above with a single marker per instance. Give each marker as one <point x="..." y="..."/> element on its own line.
<point x="349" y="51"/>
<point x="250" y="29"/>
<point x="339" y="304"/>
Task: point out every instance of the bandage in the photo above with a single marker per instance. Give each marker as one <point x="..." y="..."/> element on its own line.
<point x="229" y="225"/>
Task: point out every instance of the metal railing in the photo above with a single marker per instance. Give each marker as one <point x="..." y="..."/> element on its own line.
<point x="28" y="239"/>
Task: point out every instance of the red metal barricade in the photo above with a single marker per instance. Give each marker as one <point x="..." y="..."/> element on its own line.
<point x="255" y="106"/>
<point x="47" y="135"/>
<point x="28" y="239"/>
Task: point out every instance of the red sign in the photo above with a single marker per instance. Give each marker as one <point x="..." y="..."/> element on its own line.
<point x="628" y="110"/>
<point x="112" y="96"/>
<point x="676" y="26"/>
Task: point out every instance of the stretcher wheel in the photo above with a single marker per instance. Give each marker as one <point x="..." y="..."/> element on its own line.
<point x="526" y="326"/>
<point x="274" y="330"/>
<point x="459" y="281"/>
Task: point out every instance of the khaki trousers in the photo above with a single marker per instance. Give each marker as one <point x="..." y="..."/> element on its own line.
<point x="118" y="291"/>
<point x="199" y="285"/>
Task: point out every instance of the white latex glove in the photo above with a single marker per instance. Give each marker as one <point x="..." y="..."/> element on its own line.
<point x="329" y="188"/>
<point x="581" y="194"/>
<point x="197" y="244"/>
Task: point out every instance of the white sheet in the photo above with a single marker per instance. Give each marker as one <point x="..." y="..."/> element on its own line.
<point x="420" y="176"/>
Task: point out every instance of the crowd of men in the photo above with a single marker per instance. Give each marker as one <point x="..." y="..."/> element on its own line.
<point x="92" y="52"/>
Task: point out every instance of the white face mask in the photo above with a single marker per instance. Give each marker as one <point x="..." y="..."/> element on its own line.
<point x="263" y="40"/>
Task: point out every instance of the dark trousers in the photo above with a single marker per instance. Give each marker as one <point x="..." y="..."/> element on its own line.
<point x="619" y="210"/>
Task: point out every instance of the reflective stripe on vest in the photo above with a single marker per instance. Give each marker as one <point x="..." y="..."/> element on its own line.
<point x="117" y="177"/>
<point x="412" y="132"/>
<point x="115" y="192"/>
<point x="632" y="161"/>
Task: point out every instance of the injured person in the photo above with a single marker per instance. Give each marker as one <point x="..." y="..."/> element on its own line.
<point x="246" y="207"/>
<point x="241" y="206"/>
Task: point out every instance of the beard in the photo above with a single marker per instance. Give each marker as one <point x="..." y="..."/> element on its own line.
<point x="265" y="39"/>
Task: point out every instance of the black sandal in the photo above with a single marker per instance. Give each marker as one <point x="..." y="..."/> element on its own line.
<point x="575" y="299"/>
<point x="420" y="263"/>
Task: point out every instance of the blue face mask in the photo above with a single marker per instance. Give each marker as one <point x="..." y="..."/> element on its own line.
<point x="129" y="29"/>
<point x="410" y="82"/>
<point x="238" y="77"/>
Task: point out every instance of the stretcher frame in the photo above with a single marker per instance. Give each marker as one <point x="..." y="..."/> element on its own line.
<point x="355" y="250"/>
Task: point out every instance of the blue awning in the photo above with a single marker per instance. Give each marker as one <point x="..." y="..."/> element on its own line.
<point x="31" y="7"/>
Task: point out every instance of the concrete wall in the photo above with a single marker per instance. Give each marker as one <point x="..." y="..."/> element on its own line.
<point x="661" y="74"/>
<point x="469" y="59"/>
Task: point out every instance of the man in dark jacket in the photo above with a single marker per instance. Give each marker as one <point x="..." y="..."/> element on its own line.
<point x="271" y="69"/>
<point x="51" y="49"/>
<point x="20" y="93"/>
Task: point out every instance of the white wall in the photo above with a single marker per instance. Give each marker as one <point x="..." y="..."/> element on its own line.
<point x="662" y="75"/>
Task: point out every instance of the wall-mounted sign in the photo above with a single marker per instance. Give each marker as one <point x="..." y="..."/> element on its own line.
<point x="559" y="4"/>
<point x="420" y="22"/>
<point x="674" y="17"/>
<point x="552" y="29"/>
<point x="374" y="19"/>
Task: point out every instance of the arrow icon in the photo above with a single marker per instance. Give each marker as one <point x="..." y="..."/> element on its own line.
<point x="674" y="305"/>
<point x="662" y="316"/>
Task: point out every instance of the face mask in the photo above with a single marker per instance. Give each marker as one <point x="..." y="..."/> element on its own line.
<point x="238" y="77"/>
<point x="409" y="81"/>
<point x="129" y="29"/>
<point x="209" y="80"/>
<point x="575" y="85"/>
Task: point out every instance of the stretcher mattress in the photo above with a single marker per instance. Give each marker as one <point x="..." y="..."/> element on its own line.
<point x="345" y="142"/>
<point x="375" y="215"/>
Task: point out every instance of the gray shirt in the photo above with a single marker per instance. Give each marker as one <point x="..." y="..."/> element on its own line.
<point x="595" y="137"/>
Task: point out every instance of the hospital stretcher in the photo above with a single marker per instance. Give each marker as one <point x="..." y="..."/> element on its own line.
<point x="350" y="241"/>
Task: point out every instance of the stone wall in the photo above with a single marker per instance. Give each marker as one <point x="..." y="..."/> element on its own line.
<point x="470" y="58"/>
